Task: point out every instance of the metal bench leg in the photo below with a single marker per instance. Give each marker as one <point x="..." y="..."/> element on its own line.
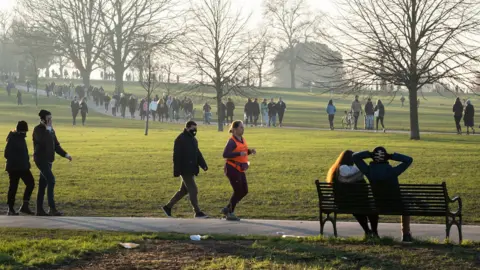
<point x="334" y="223"/>
<point x="452" y="220"/>
<point x="328" y="218"/>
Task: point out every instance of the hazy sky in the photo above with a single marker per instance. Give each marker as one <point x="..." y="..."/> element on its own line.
<point x="325" y="5"/>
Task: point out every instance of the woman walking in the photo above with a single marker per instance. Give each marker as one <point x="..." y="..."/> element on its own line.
<point x="457" y="114"/>
<point x="469" y="117"/>
<point x="236" y="155"/>
<point x="380" y="113"/>
<point x="331" y="110"/>
<point x="83" y="110"/>
<point x="343" y="174"/>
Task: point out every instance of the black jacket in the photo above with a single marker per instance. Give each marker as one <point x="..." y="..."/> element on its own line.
<point x="381" y="110"/>
<point x="281" y="107"/>
<point x="74" y="106"/>
<point x="458" y="109"/>
<point x="369" y="108"/>
<point x="230" y="108"/>
<point x="16" y="152"/>
<point x="45" y="145"/>
<point x="84" y="107"/>
<point x="186" y="155"/>
<point x="255" y="108"/>
<point x="272" y="109"/>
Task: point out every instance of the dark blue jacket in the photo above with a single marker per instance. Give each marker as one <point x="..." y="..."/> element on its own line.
<point x="382" y="173"/>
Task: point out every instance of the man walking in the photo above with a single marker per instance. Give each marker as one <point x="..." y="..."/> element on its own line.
<point x="255" y="111"/>
<point x="272" y="113"/>
<point x="356" y="109"/>
<point x="230" y="109"/>
<point x="45" y="145"/>
<point x="75" y="108"/>
<point x="187" y="159"/>
<point x="369" y="113"/>
<point x="281" y="108"/>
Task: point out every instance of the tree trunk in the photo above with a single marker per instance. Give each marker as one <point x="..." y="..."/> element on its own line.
<point x="85" y="78"/>
<point x="292" y="76"/>
<point x="219" y="102"/>
<point x="148" y="114"/>
<point x="260" y="78"/>
<point x="21" y="71"/>
<point x="119" y="79"/>
<point x="414" y="125"/>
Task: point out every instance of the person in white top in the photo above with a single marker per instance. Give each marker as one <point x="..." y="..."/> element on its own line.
<point x="343" y="173"/>
<point x="153" y="108"/>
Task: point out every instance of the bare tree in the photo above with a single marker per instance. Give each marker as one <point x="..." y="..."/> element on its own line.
<point x="149" y="83"/>
<point x="74" y="26"/>
<point x="291" y="23"/>
<point x="260" y="55"/>
<point x="35" y="45"/>
<point x="62" y="61"/>
<point x="216" y="48"/>
<point x="128" y="22"/>
<point x="410" y="43"/>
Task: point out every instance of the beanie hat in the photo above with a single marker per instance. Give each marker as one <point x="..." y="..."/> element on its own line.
<point x="22" y="126"/>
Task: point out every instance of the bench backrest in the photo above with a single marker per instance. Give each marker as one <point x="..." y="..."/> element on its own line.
<point x="408" y="199"/>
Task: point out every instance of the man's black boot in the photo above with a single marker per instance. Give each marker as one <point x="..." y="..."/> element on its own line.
<point x="40" y="212"/>
<point x="54" y="212"/>
<point x="11" y="211"/>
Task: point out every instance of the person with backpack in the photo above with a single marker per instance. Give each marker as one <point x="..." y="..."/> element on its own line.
<point x="18" y="167"/>
<point x="187" y="159"/>
<point x="236" y="154"/>
<point x="383" y="178"/>
<point x="45" y="145"/>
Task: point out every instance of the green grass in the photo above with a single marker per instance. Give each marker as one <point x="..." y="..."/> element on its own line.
<point x="47" y="249"/>
<point x="117" y="171"/>
<point x="307" y="109"/>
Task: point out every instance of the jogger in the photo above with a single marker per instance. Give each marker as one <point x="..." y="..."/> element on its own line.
<point x="236" y="154"/>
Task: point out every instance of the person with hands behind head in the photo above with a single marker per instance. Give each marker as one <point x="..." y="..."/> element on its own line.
<point x="236" y="155"/>
<point x="45" y="145"/>
<point x="187" y="159"/>
<point x="383" y="178"/>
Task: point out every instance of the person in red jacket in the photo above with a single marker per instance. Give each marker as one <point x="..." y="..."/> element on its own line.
<point x="236" y="155"/>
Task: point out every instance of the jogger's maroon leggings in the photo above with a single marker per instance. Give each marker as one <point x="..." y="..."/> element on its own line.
<point x="238" y="180"/>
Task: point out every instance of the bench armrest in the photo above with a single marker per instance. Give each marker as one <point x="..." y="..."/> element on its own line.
<point x="460" y="205"/>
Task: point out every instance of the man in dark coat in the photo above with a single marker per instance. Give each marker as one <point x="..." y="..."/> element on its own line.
<point x="369" y="114"/>
<point x="281" y="108"/>
<point x="83" y="111"/>
<point x="187" y="159"/>
<point x="18" y="167"/>
<point x="255" y="111"/>
<point x="248" y="110"/>
<point x="75" y="108"/>
<point x="272" y="113"/>
<point x="123" y="104"/>
<point x="469" y="117"/>
<point x="230" y="109"/>
<point x="45" y="146"/>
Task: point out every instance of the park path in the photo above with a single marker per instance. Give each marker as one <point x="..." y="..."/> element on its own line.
<point x="219" y="226"/>
<point x="101" y="110"/>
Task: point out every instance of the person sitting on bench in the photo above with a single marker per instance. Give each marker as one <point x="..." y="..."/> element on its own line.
<point x="342" y="174"/>
<point x="383" y="178"/>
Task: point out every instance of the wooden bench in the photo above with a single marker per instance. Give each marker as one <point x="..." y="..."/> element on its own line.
<point x="410" y="200"/>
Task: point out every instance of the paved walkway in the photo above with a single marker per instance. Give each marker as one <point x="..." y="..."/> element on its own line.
<point x="101" y="110"/>
<point x="218" y="226"/>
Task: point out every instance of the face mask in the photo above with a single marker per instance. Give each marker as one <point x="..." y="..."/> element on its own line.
<point x="193" y="132"/>
<point x="49" y="128"/>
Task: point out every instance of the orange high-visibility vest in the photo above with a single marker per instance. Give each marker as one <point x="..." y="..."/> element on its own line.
<point x="237" y="161"/>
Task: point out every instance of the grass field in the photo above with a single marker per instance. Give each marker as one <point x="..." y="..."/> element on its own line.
<point x="117" y="171"/>
<point x="305" y="109"/>
<point x="48" y="249"/>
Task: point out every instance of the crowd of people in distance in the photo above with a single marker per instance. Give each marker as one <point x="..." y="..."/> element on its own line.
<point x="350" y="118"/>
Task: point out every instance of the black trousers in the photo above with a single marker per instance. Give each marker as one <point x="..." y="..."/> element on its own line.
<point x="238" y="180"/>
<point x="27" y="179"/>
<point x="458" y="118"/>
<point x="380" y="118"/>
<point x="330" y="120"/>
<point x="84" y="117"/>
<point x="280" y="117"/>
